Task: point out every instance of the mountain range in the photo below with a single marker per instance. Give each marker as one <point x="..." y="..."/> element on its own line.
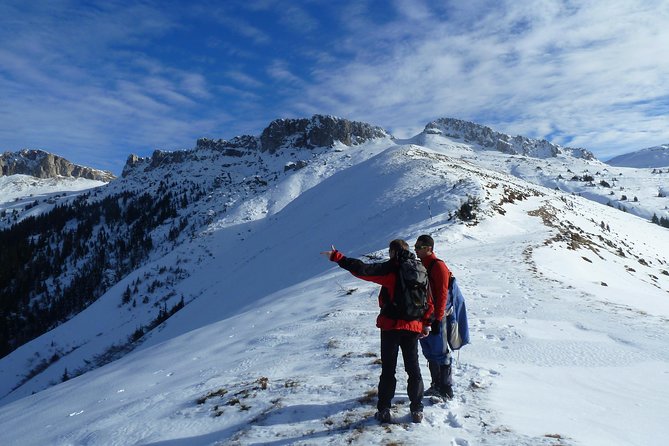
<point x="200" y="264"/>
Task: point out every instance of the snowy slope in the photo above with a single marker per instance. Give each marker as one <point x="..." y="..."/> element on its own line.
<point x="650" y="157"/>
<point x="102" y="331"/>
<point x="277" y="346"/>
<point x="640" y="191"/>
<point x="27" y="194"/>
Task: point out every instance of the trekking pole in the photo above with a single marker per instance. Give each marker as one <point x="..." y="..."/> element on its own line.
<point x="348" y="292"/>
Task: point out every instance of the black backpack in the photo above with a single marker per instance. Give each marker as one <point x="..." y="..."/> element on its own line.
<point x="410" y="302"/>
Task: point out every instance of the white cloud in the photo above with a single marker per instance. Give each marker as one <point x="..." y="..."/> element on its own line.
<point x="414" y="10"/>
<point x="194" y="84"/>
<point x="297" y="19"/>
<point x="243" y="78"/>
<point x="561" y="66"/>
<point x="69" y="88"/>
<point x="279" y="70"/>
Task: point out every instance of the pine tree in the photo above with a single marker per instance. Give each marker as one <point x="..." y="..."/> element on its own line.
<point x="126" y="296"/>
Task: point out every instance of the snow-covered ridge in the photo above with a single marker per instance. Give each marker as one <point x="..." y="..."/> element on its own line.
<point x="18" y="190"/>
<point x="288" y="134"/>
<point x="651" y="157"/>
<point x="41" y="164"/>
<point x="489" y="139"/>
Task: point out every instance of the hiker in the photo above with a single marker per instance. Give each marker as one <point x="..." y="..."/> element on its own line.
<point x="395" y="333"/>
<point x="435" y="346"/>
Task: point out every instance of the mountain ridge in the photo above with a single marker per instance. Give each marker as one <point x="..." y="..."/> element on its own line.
<point x="325" y="131"/>
<point x="657" y="156"/>
<point x="322" y="131"/>
<point x="490" y="139"/>
<point x="41" y="164"/>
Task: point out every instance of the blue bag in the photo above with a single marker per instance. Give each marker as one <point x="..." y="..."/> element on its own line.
<point x="457" y="327"/>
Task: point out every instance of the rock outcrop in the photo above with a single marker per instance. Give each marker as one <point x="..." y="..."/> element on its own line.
<point x="41" y="164"/>
<point x="304" y="133"/>
<point x="318" y="131"/>
<point x="489" y="139"/>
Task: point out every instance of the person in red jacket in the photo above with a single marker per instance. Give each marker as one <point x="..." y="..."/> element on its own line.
<point x="395" y="333"/>
<point x="435" y="346"/>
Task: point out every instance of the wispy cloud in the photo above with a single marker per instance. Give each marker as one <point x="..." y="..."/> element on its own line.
<point x="298" y="19"/>
<point x="243" y="78"/>
<point x="554" y="66"/>
<point x="73" y="85"/>
<point x="279" y="70"/>
<point x="97" y="80"/>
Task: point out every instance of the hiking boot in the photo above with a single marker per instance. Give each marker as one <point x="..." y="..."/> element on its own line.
<point x="446" y="392"/>
<point x="416" y="417"/>
<point x="446" y="387"/>
<point x="383" y="416"/>
<point x="432" y="391"/>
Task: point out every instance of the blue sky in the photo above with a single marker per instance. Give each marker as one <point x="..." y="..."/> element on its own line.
<point x="95" y="81"/>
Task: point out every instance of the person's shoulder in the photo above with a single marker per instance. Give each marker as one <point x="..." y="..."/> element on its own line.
<point x="442" y="264"/>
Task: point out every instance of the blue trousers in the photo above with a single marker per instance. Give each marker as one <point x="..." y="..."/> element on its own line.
<point x="435" y="347"/>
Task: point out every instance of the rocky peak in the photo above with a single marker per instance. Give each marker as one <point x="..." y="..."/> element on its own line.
<point x="41" y="164"/>
<point x="237" y="146"/>
<point x="317" y="131"/>
<point x="305" y="133"/>
<point x="489" y="139"/>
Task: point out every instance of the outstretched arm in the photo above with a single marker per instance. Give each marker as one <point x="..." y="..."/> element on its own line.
<point x="373" y="272"/>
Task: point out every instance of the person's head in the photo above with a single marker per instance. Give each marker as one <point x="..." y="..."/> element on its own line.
<point x="424" y="246"/>
<point x="396" y="246"/>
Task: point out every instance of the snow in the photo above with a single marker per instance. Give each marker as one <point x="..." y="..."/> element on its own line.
<point x="278" y="346"/>
<point x="14" y="187"/>
<point x="650" y="157"/>
<point x="28" y="196"/>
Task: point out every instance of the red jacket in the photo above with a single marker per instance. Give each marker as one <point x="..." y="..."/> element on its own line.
<point x="385" y="274"/>
<point x="439" y="275"/>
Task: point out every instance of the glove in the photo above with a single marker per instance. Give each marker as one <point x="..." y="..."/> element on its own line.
<point x="436" y="327"/>
<point x="336" y="256"/>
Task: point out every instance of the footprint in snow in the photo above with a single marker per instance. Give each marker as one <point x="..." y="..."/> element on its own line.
<point x="452" y="420"/>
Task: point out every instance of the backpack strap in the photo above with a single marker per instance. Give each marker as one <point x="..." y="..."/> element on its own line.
<point x="451" y="280"/>
<point x="451" y="277"/>
<point x="429" y="268"/>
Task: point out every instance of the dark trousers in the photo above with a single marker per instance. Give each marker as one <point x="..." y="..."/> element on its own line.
<point x="439" y="359"/>
<point x="391" y="342"/>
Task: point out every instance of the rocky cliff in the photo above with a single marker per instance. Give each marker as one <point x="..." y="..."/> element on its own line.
<point x="41" y="164"/>
<point x="318" y="131"/>
<point x="304" y="133"/>
<point x="489" y="139"/>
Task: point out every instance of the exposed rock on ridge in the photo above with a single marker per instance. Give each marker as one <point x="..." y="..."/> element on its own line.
<point x="325" y="131"/>
<point x="304" y="133"/>
<point x="319" y="131"/>
<point x="492" y="140"/>
<point x="41" y="164"/>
